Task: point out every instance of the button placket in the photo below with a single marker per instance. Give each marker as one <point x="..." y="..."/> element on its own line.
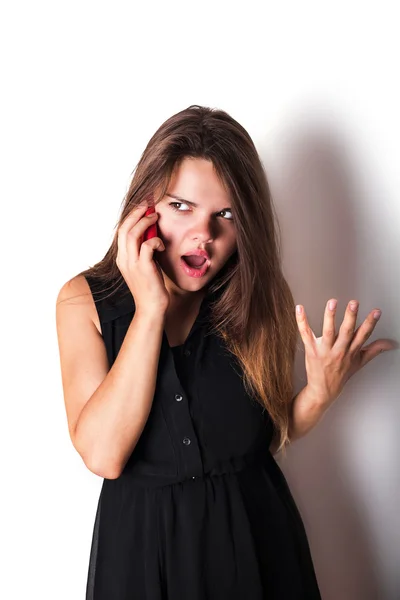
<point x="178" y="418"/>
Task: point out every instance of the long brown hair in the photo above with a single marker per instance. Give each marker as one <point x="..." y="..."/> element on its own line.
<point x="261" y="329"/>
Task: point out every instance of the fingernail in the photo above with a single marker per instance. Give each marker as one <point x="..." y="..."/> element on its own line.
<point x="332" y="304"/>
<point x="298" y="309"/>
<point x="377" y="314"/>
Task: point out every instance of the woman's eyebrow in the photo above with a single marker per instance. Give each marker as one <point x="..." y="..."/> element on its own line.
<point x="176" y="197"/>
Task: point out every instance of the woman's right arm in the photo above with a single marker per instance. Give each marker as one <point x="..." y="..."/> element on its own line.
<point x="107" y="409"/>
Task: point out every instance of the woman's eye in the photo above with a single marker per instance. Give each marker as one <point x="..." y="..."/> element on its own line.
<point x="229" y="211"/>
<point x="173" y="205"/>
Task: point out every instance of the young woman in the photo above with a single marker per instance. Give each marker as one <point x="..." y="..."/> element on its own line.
<point x="176" y="358"/>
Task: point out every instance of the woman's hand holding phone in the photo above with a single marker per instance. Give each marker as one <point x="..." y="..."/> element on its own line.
<point x="136" y="262"/>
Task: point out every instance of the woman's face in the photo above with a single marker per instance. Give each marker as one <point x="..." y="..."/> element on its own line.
<point x="199" y="217"/>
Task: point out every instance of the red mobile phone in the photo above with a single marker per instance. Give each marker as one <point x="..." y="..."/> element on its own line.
<point x="152" y="230"/>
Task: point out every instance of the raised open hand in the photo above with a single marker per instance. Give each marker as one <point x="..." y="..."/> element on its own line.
<point x="333" y="358"/>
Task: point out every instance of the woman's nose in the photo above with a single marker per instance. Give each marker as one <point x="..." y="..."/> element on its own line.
<point x="204" y="231"/>
<point x="204" y="237"/>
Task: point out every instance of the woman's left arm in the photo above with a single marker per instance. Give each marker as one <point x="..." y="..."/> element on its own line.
<point x="331" y="360"/>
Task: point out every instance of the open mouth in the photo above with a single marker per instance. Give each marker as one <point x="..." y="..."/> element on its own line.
<point x="195" y="262"/>
<point x="195" y="266"/>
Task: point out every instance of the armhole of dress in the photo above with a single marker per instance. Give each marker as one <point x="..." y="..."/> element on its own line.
<point x="94" y="288"/>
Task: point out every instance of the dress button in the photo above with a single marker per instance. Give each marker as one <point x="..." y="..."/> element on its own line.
<point x="178" y="397"/>
<point x="187" y="352"/>
<point x="186" y="441"/>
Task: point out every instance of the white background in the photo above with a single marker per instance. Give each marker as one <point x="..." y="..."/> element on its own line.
<point x="84" y="86"/>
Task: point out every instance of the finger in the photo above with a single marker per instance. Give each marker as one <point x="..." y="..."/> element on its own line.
<point x="371" y="351"/>
<point x="148" y="248"/>
<point x="122" y="233"/>
<point x="141" y="227"/>
<point x="134" y="235"/>
<point x="364" y="331"/>
<point x="152" y="245"/>
<point x="328" y="329"/>
<point x="126" y="226"/>
<point x="346" y="331"/>
<point x="306" y="333"/>
<point x="133" y="217"/>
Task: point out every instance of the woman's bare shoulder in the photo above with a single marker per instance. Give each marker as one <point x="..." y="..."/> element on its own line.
<point x="76" y="291"/>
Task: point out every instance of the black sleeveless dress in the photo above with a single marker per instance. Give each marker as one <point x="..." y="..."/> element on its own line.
<point x="202" y="510"/>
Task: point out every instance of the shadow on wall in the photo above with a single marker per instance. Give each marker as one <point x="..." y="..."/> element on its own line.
<point x="321" y="215"/>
